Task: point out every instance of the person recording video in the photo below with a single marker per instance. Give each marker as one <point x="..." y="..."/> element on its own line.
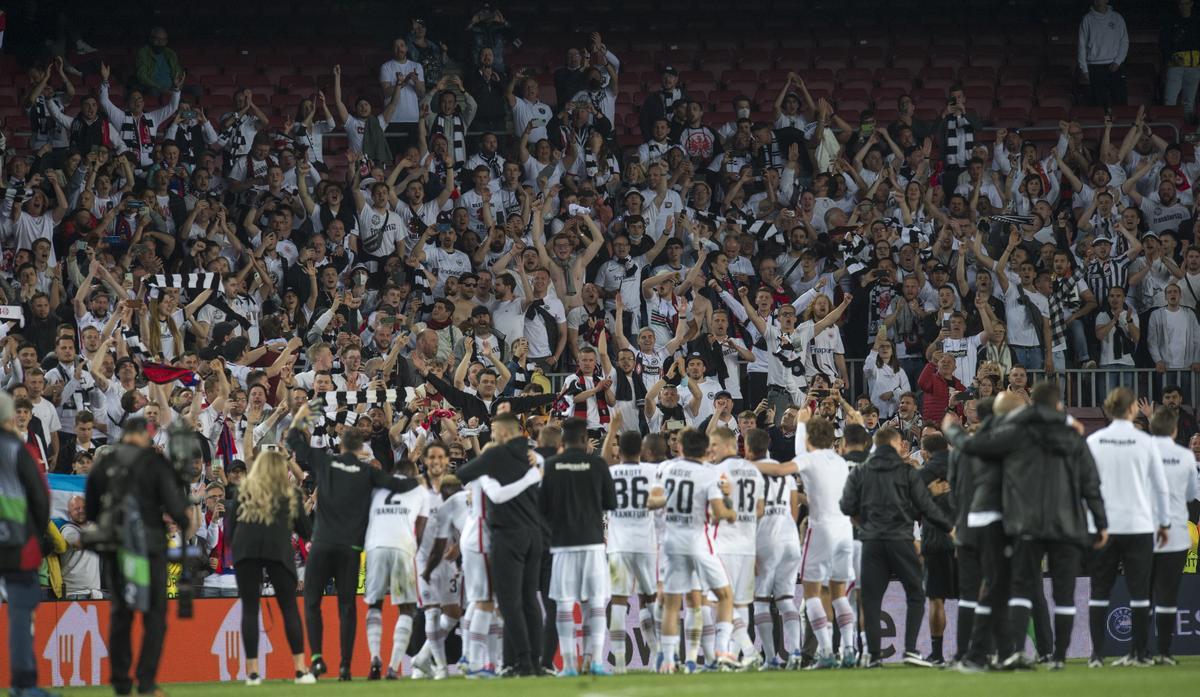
<point x="138" y="479"/>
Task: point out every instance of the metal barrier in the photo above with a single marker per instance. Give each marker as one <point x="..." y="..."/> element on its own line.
<point x="1081" y="388"/>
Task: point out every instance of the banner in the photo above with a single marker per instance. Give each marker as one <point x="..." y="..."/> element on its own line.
<point x="71" y="638"/>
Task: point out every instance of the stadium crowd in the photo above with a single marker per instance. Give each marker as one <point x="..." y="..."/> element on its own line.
<point x="476" y="254"/>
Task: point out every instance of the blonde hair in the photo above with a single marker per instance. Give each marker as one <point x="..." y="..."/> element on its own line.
<point x="265" y="488"/>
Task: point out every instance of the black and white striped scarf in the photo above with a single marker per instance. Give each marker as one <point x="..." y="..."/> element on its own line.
<point x="960" y="139"/>
<point x="422" y="287"/>
<point x="133" y="343"/>
<point x="197" y="283"/>
<point x="495" y="163"/>
<point x="138" y="134"/>
<point x="592" y="167"/>
<point x="452" y="128"/>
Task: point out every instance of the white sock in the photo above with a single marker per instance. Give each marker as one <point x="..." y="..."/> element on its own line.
<point x="708" y="636"/>
<point x="792" y="632"/>
<point x="596" y="628"/>
<point x="400" y="636"/>
<point x="764" y="628"/>
<point x="724" y="632"/>
<point x="844" y="612"/>
<point x="616" y="634"/>
<point x="657" y="610"/>
<point x="741" y="635"/>
<point x="649" y="629"/>
<point x="477" y="639"/>
<point x="433" y="634"/>
<point x="496" y="642"/>
<point x="820" y="625"/>
<point x="446" y="624"/>
<point x="693" y="628"/>
<point x="564" y="622"/>
<point x="670" y="647"/>
<point x="374" y="631"/>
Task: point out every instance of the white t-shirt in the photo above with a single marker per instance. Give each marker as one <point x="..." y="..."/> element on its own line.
<point x="1107" y="352"/>
<point x="410" y="106"/>
<point x="394" y="518"/>
<point x="446" y="264"/>
<point x="508" y="318"/>
<point x="384" y="226"/>
<point x="966" y="355"/>
<point x="1021" y="332"/>
<point x="538" y="112"/>
<point x="535" y="329"/>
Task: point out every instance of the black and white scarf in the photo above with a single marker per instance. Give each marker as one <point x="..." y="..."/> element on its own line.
<point x="592" y="166"/>
<point x="960" y="139"/>
<point x="669" y="97"/>
<point x="522" y="373"/>
<point x="197" y="283"/>
<point x="452" y="128"/>
<point x="494" y="163"/>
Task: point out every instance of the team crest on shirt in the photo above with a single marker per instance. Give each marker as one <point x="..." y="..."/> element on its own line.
<point x="375" y="219"/>
<point x="667" y="204"/>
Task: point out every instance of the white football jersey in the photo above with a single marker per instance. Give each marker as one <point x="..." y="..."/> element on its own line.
<point x="823" y="474"/>
<point x="475" y="535"/>
<point x="776" y="529"/>
<point x="425" y="544"/>
<point x="631" y="524"/>
<point x="746" y="484"/>
<point x="688" y="486"/>
<point x="394" y="519"/>
<point x="452" y="516"/>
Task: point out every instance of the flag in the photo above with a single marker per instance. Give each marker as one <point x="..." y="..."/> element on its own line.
<point x="62" y="488"/>
<point x="161" y="374"/>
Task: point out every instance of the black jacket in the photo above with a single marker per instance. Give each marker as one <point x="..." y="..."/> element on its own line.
<point x="155" y="487"/>
<point x="885" y="495"/>
<point x="972" y="479"/>
<point x="1048" y="475"/>
<point x="577" y="489"/>
<point x="506" y="464"/>
<point x="473" y="405"/>
<point x="272" y="540"/>
<point x="344" y="486"/>
<point x="937" y="467"/>
<point x="20" y="472"/>
<point x="1179" y="34"/>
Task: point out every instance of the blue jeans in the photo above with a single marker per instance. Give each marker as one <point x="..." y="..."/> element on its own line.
<point x="23" y="592"/>
<point x="1030" y="357"/>
<point x="1117" y="375"/>
<point x="1077" y="336"/>
<point x="1182" y="81"/>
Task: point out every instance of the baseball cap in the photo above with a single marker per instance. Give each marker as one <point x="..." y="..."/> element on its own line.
<point x="480" y="310"/>
<point x="939" y="268"/>
<point x="722" y="394"/>
<point x="237" y="466"/>
<point x="1102" y="239"/>
<point x="696" y="356"/>
<point x="670" y="70"/>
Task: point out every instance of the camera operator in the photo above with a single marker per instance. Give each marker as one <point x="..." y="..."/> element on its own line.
<point x="150" y="480"/>
<point x="344" y="486"/>
<point x="20" y="545"/>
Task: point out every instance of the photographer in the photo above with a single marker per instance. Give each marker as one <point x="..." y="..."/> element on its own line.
<point x="263" y="515"/>
<point x="135" y="472"/>
<point x="20" y="550"/>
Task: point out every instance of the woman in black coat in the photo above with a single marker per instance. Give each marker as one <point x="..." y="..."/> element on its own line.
<point x="268" y="508"/>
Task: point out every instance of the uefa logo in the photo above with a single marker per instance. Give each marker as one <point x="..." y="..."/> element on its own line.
<point x="1120" y="624"/>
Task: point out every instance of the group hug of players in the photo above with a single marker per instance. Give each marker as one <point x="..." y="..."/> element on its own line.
<point x="708" y="541"/>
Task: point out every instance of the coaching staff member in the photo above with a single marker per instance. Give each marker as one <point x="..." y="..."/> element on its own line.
<point x="344" y="486"/>
<point x="577" y="489"/>
<point x="884" y="496"/>
<point x="1136" y="499"/>
<point x="1049" y="484"/>
<point x="158" y="491"/>
<point x="516" y="527"/>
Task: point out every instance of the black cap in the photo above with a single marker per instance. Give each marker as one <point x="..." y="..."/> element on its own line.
<point x="696" y="356"/>
<point x="939" y="267"/>
<point x="1102" y="239"/>
<point x="722" y="393"/>
<point x="480" y="310"/>
<point x="236" y="466"/>
<point x="670" y="70"/>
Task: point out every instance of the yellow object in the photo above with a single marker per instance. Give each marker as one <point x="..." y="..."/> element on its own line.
<point x="1186" y="59"/>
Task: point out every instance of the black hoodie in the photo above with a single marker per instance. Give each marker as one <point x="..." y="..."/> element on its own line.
<point x="885" y="496"/>
<point x="937" y="467"/>
<point x="506" y="464"/>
